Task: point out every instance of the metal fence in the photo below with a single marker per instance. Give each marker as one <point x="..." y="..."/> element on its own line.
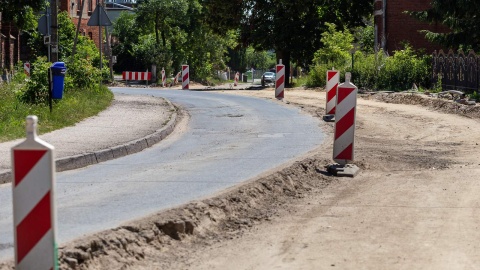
<point x="456" y="71"/>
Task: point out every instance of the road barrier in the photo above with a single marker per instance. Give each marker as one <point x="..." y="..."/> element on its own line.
<point x="343" y="146"/>
<point x="26" y="68"/>
<point x="237" y="75"/>
<point x="280" y="80"/>
<point x="163" y="77"/>
<point x="137" y="76"/>
<point x="185" y="77"/>
<point x="333" y="78"/>
<point x="34" y="215"/>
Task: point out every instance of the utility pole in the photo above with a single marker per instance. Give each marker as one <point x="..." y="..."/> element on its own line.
<point x="54" y="32"/>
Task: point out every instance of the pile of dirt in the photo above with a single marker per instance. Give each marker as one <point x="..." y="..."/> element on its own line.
<point x="435" y="103"/>
<point x="168" y="235"/>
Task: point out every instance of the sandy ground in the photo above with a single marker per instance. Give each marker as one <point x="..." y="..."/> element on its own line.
<point x="414" y="204"/>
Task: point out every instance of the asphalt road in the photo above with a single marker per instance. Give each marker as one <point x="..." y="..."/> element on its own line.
<point x="229" y="139"/>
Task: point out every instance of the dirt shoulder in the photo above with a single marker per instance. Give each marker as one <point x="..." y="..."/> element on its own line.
<point x="414" y="204"/>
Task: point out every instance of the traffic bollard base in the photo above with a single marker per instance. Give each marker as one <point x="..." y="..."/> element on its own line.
<point x="347" y="170"/>
<point x="329" y="118"/>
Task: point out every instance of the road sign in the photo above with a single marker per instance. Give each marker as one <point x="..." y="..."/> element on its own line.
<point x="43" y="25"/>
<point x="26" y="68"/>
<point x="99" y="17"/>
<point x="33" y="189"/>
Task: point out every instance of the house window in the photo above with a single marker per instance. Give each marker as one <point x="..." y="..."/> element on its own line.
<point x="90" y="7"/>
<point x="90" y="35"/>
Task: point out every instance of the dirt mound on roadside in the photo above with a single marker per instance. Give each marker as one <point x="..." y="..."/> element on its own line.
<point x="169" y="234"/>
<point x="438" y="104"/>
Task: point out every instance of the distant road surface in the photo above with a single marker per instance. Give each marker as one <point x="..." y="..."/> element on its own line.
<point x="229" y="139"/>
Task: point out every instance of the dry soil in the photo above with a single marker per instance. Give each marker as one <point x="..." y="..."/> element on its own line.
<point x="414" y="204"/>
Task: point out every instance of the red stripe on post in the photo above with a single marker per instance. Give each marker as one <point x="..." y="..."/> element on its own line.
<point x="343" y="93"/>
<point x="332" y="93"/>
<point x="346" y="154"/>
<point x="280" y="81"/>
<point x="33" y="227"/>
<point x="345" y="123"/>
<point x="24" y="161"/>
<point x="331" y="74"/>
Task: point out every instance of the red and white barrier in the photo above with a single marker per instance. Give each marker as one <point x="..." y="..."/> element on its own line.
<point x="280" y="80"/>
<point x="185" y="77"/>
<point x="26" y="68"/>
<point x="136" y="76"/>
<point x="164" y="79"/>
<point x="333" y="78"/>
<point x="175" y="80"/>
<point x="235" y="81"/>
<point x="343" y="146"/>
<point x="34" y="214"/>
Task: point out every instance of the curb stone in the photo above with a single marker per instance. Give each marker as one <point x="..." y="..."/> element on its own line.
<point x="134" y="146"/>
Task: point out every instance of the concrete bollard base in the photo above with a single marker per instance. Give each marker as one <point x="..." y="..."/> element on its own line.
<point x="347" y="170"/>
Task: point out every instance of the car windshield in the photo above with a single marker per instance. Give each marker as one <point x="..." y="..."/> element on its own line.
<point x="269" y="74"/>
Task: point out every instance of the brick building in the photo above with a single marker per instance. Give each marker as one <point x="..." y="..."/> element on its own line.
<point x="13" y="47"/>
<point x="73" y="7"/>
<point x="9" y="45"/>
<point x="393" y="26"/>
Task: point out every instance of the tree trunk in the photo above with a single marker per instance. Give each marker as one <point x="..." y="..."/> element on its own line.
<point x="157" y="38"/>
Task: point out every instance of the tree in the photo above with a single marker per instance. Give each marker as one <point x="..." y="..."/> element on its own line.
<point x="161" y="16"/>
<point x="461" y="17"/>
<point x="291" y="28"/>
<point x="20" y="13"/>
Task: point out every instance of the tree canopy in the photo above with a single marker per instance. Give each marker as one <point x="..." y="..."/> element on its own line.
<point x="20" y="12"/>
<point x="291" y="28"/>
<point x="461" y="17"/>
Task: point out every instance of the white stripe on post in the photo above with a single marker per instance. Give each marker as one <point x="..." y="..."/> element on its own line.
<point x="33" y="189"/>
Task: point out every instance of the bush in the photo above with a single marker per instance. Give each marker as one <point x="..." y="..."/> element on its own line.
<point x="378" y="71"/>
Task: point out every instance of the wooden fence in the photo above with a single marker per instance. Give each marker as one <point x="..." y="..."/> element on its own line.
<point x="457" y="71"/>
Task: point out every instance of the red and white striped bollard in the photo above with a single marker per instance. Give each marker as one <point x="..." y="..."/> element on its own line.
<point x="280" y="80"/>
<point x="164" y="79"/>
<point x="185" y="77"/>
<point x="235" y="81"/>
<point x="34" y="214"/>
<point x="26" y="68"/>
<point x="333" y="78"/>
<point x="344" y="138"/>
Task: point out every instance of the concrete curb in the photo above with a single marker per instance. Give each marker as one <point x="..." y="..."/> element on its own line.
<point x="134" y="146"/>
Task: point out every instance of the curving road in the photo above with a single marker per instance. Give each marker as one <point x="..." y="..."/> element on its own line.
<point x="229" y="139"/>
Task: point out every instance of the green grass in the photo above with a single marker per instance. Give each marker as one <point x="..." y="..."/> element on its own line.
<point x="298" y="82"/>
<point x="74" y="107"/>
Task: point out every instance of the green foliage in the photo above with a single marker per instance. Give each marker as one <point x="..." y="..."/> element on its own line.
<point x="403" y="69"/>
<point x="37" y="87"/>
<point x="461" y="18"/>
<point x="336" y="46"/>
<point x="260" y="59"/>
<point x="334" y="54"/>
<point x="378" y="71"/>
<point x="21" y="13"/>
<point x="71" y="109"/>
